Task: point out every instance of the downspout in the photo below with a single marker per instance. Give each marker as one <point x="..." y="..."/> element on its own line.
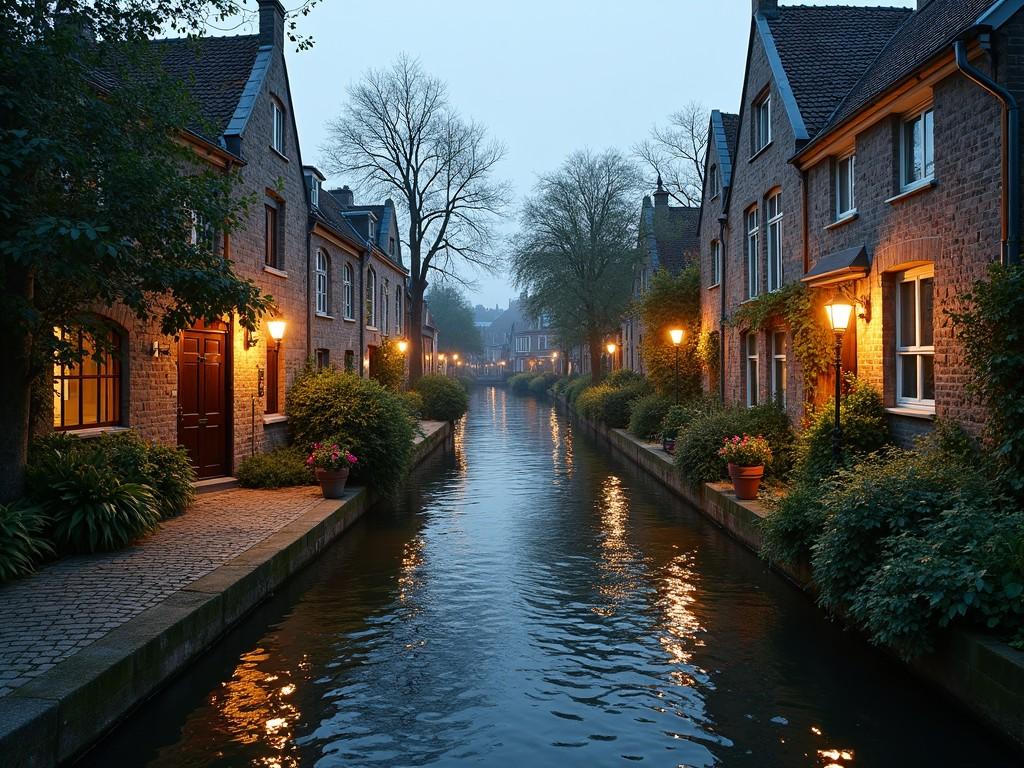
<point x="721" y="298"/>
<point x="309" y="289"/>
<point x="1010" y="253"/>
<point x="362" y="311"/>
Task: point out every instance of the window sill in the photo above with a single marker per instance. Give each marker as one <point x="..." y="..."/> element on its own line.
<point x="373" y="328"/>
<point x="275" y="271"/>
<point x="846" y="218"/>
<point x="278" y="153"/>
<point x="714" y="285"/>
<point x="325" y="316"/>
<point x="750" y="299"/>
<point x="349" y="319"/>
<point x="760" y="152"/>
<point x="914" y="189"/>
<point x="88" y="432"/>
<point x="912" y="412"/>
<point x="274" y="418"/>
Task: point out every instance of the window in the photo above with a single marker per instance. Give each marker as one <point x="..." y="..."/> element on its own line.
<point x="202" y="232"/>
<point x="398" y="310"/>
<point x="779" y="367"/>
<point x="762" y="127"/>
<point x="915" y="344"/>
<point x="774" y="214"/>
<point x="323" y="359"/>
<point x="750" y="349"/>
<point x="314" y="191"/>
<point x="278" y="116"/>
<point x="273" y="401"/>
<point x="753" y="267"/>
<point x="270" y="234"/>
<point x="88" y="394"/>
<point x="916" y="149"/>
<point x="372" y="229"/>
<point x="350" y="296"/>
<point x="716" y="262"/>
<point x="542" y="342"/>
<point x="391" y="246"/>
<point x="522" y="343"/>
<point x="714" y="183"/>
<point x="371" y="300"/>
<point x="846" y="201"/>
<point x="385" y="307"/>
<point x="350" y="360"/>
<point x="323" y="281"/>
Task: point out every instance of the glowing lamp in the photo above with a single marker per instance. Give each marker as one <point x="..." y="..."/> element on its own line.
<point x="676" y="335"/>
<point x="839" y="316"/>
<point x="403" y="345"/>
<point x="611" y="347"/>
<point x="276" y="328"/>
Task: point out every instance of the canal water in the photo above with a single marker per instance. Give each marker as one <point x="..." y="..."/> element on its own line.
<point x="529" y="601"/>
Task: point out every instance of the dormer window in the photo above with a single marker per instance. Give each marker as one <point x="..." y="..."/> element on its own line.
<point x="314" y="191"/>
<point x="762" y="123"/>
<point x="277" y="141"/>
<point x="373" y="230"/>
<point x="714" y="183"/>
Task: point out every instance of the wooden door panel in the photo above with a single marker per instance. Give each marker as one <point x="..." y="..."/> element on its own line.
<point x="202" y="400"/>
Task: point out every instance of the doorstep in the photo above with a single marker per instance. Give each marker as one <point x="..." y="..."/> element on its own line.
<point x="214" y="484"/>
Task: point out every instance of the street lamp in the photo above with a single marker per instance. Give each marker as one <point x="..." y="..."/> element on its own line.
<point x="276" y="328"/>
<point x="839" y="315"/>
<point x="676" y="334"/>
<point x="611" y="347"/>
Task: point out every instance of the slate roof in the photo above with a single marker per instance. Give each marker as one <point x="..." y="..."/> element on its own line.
<point x="825" y="51"/>
<point x="725" y="131"/>
<point x="671" y="235"/>
<point x="339" y="218"/>
<point x="731" y="124"/>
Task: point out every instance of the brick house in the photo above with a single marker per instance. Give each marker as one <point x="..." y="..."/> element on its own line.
<point x="668" y="240"/>
<point x="532" y="344"/>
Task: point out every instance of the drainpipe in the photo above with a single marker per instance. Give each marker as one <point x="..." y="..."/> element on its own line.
<point x="721" y="319"/>
<point x="362" y="310"/>
<point x="309" y="289"/>
<point x="1010" y="253"/>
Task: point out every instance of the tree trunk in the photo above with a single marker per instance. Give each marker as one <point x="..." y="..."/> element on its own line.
<point x="15" y="397"/>
<point x="596" y="372"/>
<point x="416" y="333"/>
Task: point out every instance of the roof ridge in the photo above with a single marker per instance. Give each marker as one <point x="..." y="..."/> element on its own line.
<point x="190" y="39"/>
<point x="868" y="8"/>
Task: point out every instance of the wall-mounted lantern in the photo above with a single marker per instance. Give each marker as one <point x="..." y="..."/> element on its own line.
<point x="276" y="329"/>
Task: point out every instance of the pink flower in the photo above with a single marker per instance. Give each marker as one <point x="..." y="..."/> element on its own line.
<point x="350" y="458"/>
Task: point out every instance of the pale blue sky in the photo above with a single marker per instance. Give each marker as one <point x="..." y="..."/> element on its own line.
<point x="545" y="77"/>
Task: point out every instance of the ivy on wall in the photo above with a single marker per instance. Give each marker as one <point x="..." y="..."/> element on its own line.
<point x="803" y="310"/>
<point x="709" y="353"/>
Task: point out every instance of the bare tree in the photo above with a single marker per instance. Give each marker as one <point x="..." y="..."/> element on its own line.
<point x="676" y="153"/>
<point x="577" y="247"/>
<point x="399" y="134"/>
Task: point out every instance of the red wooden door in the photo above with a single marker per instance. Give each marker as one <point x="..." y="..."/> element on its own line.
<point x="203" y="401"/>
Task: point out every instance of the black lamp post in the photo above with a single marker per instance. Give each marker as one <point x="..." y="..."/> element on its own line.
<point x="839" y="319"/>
<point x="676" y="334"/>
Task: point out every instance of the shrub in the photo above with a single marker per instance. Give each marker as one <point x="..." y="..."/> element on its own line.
<point x="561" y="385"/>
<point x="616" y="407"/>
<point x="166" y="469"/>
<point x="389" y="369"/>
<point x="648" y="413"/>
<point x="444" y="399"/>
<point x="280" y="468"/>
<point x="588" y="401"/>
<point x="679" y="417"/>
<point x="541" y="383"/>
<point x="329" y="402"/>
<point x="413" y="402"/>
<point x="623" y="377"/>
<point x="576" y="387"/>
<point x="520" y="383"/>
<point x="22" y="540"/>
<point x="793" y="524"/>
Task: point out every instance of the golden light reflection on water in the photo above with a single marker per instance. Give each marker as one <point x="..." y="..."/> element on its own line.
<point x="837" y="758"/>
<point x="677" y="591"/>
<point x="257" y="710"/>
<point x="459" y="441"/>
<point x="618" y="558"/>
<point x="408" y="574"/>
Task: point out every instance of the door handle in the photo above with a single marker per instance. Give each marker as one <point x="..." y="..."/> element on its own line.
<point x="200" y="422"/>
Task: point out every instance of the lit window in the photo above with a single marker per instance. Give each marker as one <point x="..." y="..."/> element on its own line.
<point x="762" y="127"/>
<point x="278" y="116"/>
<point x="750" y="344"/>
<point x="322" y="282"/>
<point x="915" y="343"/>
<point x="779" y="367"/>
<point x="775" y="241"/>
<point x="846" y="202"/>
<point x="916" y="149"/>
<point x="88" y="393"/>
<point x="350" y="302"/>
<point x="753" y="265"/>
<point x="371" y="300"/>
<point x="716" y="262"/>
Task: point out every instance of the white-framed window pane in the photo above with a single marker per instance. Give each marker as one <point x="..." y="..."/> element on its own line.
<point x="278" y="138"/>
<point x="926" y="337"/>
<point x="349" y="295"/>
<point x="908" y="377"/>
<point x="775" y="242"/>
<point x="908" y="314"/>
<point x="928" y="137"/>
<point x="779" y="367"/>
<point x="752" y="377"/>
<point x="917" y="148"/>
<point x="845" y="185"/>
<point x="927" y="377"/>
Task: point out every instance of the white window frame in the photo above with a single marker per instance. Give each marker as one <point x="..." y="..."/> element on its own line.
<point x="314" y="192"/>
<point x="385" y="306"/>
<point x="850" y="187"/>
<point x="277" y="138"/>
<point x="752" y="221"/>
<point x="716" y="263"/>
<point x="714" y="183"/>
<point x="371" y="298"/>
<point x="918" y="351"/>
<point x="752" y="364"/>
<point x="762" y="122"/>
<point x="926" y="118"/>
<point x="522" y="343"/>
<point x="323" y="282"/>
<point x="398" y="309"/>
<point x="779" y="359"/>
<point x="349" y="275"/>
<point x="773" y="210"/>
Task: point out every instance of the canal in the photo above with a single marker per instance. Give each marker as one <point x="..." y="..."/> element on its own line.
<point x="529" y="601"/>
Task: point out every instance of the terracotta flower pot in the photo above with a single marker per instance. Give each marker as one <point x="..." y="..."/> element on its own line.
<point x="746" y="480"/>
<point x="332" y="482"/>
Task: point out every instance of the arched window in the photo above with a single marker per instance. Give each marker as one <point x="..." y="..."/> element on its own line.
<point x="398" y="310"/>
<point x="323" y="282"/>
<point x="88" y="394"/>
<point x="385" y="306"/>
<point x="350" y="296"/>
<point x="371" y="297"/>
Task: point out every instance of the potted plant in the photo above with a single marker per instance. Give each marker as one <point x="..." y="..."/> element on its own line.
<point x="331" y="463"/>
<point x="747" y="457"/>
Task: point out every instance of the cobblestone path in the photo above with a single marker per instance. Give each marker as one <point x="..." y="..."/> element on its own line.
<point x="75" y="601"/>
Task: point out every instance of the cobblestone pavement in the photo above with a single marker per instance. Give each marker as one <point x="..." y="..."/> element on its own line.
<point x="73" y="602"/>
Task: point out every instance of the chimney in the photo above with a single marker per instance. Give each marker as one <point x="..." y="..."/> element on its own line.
<point x="660" y="195"/>
<point x="344" y="196"/>
<point x="272" y="24"/>
<point x="768" y="8"/>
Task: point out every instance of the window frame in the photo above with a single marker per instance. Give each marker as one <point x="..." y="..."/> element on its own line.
<point x="521" y="346"/>
<point x="63" y="375"/>
<point x="398" y="310"/>
<point x="851" y="186"/>
<point x="714" y="182"/>
<point x="322" y="283"/>
<point x="370" y="298"/>
<point x="716" y="263"/>
<point x="277" y="126"/>
<point x="751" y="366"/>
<point x="349" y="276"/>
<point x="271" y="227"/>
<point x="774" y="241"/>
<point x="323" y="358"/>
<point x="926" y="116"/>
<point x="385" y="306"/>
<point x="778" y="388"/>
<point x="916" y="350"/>
<point x="761" y="133"/>
<point x="752" y="251"/>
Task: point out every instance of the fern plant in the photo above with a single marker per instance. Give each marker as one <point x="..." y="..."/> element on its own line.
<point x="22" y="541"/>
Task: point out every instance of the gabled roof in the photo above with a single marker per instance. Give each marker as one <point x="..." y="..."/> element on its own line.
<point x="670" y="235"/>
<point x="725" y="131"/>
<point x="340" y="219"/>
<point x="822" y="52"/>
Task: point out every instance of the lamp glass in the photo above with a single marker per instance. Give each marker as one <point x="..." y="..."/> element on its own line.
<point x="402" y="346"/>
<point x="839" y="315"/>
<point x="611" y="348"/>
<point x="276" y="329"/>
<point x="677" y="336"/>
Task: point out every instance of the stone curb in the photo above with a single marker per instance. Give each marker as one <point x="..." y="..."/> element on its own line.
<point x="53" y="718"/>
<point x="980" y="672"/>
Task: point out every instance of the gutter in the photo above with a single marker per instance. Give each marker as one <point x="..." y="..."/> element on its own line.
<point x="1010" y="251"/>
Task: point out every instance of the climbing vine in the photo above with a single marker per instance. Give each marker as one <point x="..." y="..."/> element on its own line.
<point x="708" y="352"/>
<point x="802" y="309"/>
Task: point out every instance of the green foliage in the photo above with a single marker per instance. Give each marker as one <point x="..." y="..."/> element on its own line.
<point x="794" y="523"/>
<point x="624" y="377"/>
<point x="697" y="446"/>
<point x="588" y="401"/>
<point x="329" y="402"/>
<point x="648" y="413"/>
<point x="611" y="405"/>
<point x="576" y="387"/>
<point x="454" y="320"/>
<point x="280" y="468"/>
<point x="672" y="301"/>
<point x="679" y="417"/>
<point x="444" y="399"/>
<point x="709" y="352"/>
<point x="22" y="540"/>
<point x="561" y="385"/>
<point x="990" y="329"/>
<point x="803" y="311"/>
<point x="542" y="382"/>
<point x="413" y="402"/>
<point x="520" y="383"/>
<point x="389" y="369"/>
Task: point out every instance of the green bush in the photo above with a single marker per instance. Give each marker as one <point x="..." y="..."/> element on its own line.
<point x="280" y="468"/>
<point x="697" y="446"/>
<point x="520" y="383"/>
<point x="561" y="385"/>
<point x="624" y="377"/>
<point x="166" y="469"/>
<point x="794" y="523"/>
<point x="648" y="413"/>
<point x="576" y="387"/>
<point x="616" y="407"/>
<point x="413" y="402"/>
<point x="444" y="399"/>
<point x="679" y="417"/>
<point x="589" y="400"/>
<point x="22" y="540"/>
<point x="328" y="402"/>
<point x="542" y="382"/>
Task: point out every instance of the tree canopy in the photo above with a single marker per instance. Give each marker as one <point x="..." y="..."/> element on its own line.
<point x="672" y="301"/>
<point x="453" y="318"/>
